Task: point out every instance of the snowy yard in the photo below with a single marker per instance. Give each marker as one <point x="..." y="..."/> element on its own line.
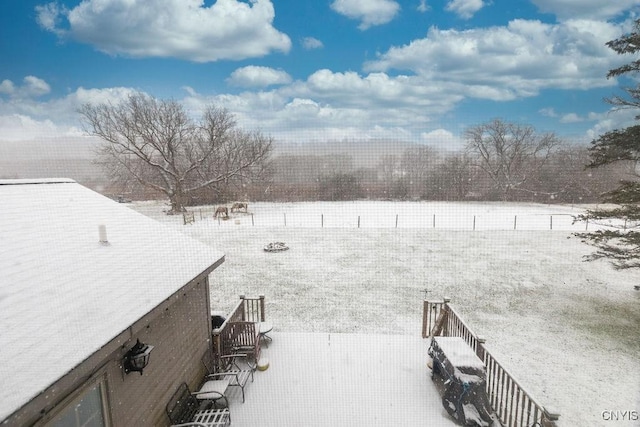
<point x="567" y="330"/>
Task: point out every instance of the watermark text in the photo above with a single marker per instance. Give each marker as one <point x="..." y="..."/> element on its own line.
<point x="620" y="415"/>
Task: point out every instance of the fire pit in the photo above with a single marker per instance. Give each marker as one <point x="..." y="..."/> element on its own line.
<point x="276" y="247"/>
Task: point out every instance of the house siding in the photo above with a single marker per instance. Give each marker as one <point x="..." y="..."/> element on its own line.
<point x="180" y="331"/>
<point x="180" y="335"/>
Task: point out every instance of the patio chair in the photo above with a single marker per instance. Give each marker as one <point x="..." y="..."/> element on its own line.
<point x="229" y="370"/>
<point x="244" y="337"/>
<point x="213" y="389"/>
<point x="185" y="410"/>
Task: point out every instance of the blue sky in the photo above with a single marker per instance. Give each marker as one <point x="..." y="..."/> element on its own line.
<point x="322" y="70"/>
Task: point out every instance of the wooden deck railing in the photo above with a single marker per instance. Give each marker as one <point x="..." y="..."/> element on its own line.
<point x="246" y="310"/>
<point x="513" y="406"/>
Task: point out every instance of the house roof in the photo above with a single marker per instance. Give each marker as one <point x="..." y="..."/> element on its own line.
<point x="63" y="294"/>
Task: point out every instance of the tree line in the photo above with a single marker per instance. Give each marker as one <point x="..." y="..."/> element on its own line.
<point x="558" y="175"/>
<point x="153" y="148"/>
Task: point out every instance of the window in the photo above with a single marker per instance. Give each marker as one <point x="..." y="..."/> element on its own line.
<point x="86" y="410"/>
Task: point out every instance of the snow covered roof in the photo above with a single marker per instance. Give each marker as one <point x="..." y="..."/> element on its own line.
<point x="63" y="294"/>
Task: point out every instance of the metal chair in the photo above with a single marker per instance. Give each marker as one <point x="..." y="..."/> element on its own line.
<point x="186" y="410"/>
<point x="228" y="370"/>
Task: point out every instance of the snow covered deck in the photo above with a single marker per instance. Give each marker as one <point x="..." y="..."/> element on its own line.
<point x="321" y="379"/>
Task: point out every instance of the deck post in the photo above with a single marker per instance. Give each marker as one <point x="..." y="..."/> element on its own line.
<point x="216" y="342"/>
<point x="425" y="318"/>
<point x="262" y="317"/>
<point x="480" y="350"/>
<point x="445" y="307"/>
<point x="549" y="417"/>
<point x="441" y="326"/>
<point x="243" y="308"/>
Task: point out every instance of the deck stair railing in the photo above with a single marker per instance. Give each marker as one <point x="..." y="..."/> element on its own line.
<point x="514" y="406"/>
<point x="246" y="310"/>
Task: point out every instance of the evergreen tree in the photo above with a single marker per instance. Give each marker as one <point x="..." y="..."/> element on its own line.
<point x="620" y="245"/>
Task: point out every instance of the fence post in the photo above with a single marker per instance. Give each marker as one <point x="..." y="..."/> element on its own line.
<point x="474" y="223"/>
<point x="396" y="220"/>
<point x="321" y="220"/>
<point x="434" y="220"/>
<point x="586" y="226"/>
<point x="285" y="219"/>
<point x="550" y="222"/>
<point x="252" y="224"/>
<point x="515" y="221"/>
<point x="358" y="221"/>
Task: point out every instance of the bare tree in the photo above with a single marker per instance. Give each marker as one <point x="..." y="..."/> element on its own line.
<point x="388" y="173"/>
<point x="156" y="143"/>
<point x="417" y="164"/>
<point x="454" y="176"/>
<point x="510" y="154"/>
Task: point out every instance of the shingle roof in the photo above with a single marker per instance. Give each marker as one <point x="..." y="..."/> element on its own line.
<point x="63" y="294"/>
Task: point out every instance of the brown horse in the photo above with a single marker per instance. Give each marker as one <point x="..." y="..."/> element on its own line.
<point x="239" y="206"/>
<point x="222" y="211"/>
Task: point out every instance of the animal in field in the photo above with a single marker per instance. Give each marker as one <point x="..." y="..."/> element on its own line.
<point x="221" y="211"/>
<point x="239" y="206"/>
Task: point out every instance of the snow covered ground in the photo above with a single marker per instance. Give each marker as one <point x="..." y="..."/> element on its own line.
<point x="341" y="380"/>
<point x="568" y="330"/>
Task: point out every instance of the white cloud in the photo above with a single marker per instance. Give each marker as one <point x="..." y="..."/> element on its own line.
<point x="254" y="76"/>
<point x="185" y="29"/>
<point x="7" y="87"/>
<point x="369" y="12"/>
<point x="379" y="92"/>
<point x="504" y="63"/>
<point x="25" y="116"/>
<point x="589" y="9"/>
<point x="613" y="119"/>
<point x="191" y="91"/>
<point x="333" y="106"/>
<point x="32" y="87"/>
<point x="571" y="118"/>
<point x="430" y="77"/>
<point x="441" y="138"/>
<point x="548" y="112"/>
<point x="423" y="6"/>
<point x="98" y="96"/>
<point x="595" y="116"/>
<point x="465" y="9"/>
<point x="17" y="127"/>
<point x="49" y="17"/>
<point x="311" y="43"/>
